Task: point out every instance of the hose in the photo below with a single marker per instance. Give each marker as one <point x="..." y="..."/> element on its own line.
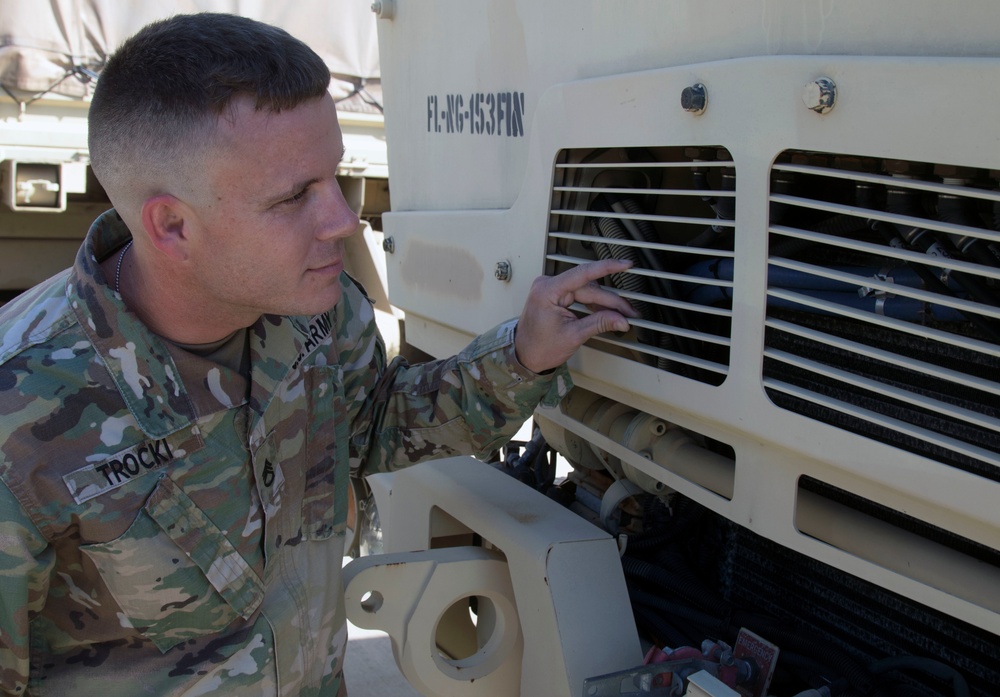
<point x="724" y="208"/>
<point x="925" y="665"/>
<point x="686" y="516"/>
<point x="781" y="277"/>
<point x="657" y="576"/>
<point x="604" y="203"/>
<point x="607" y="228"/>
<point x="837" y="225"/>
<point x="656" y="624"/>
<point x="905" y="202"/>
<point x="708" y="624"/>
<point x="524" y="467"/>
<point x="641" y="257"/>
<point x="932" y="283"/>
<point x="959" y="211"/>
<point x="631" y="206"/>
<point x="908" y="309"/>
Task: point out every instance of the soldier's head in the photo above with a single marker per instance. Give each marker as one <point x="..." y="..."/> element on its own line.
<point x="162" y="92"/>
<point x="219" y="146"/>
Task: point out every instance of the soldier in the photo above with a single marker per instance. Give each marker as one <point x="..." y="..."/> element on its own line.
<point x="182" y="409"/>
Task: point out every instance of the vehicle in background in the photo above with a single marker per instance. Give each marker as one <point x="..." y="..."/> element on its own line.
<point x="792" y="460"/>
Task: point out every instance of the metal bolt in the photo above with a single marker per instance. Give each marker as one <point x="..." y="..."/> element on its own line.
<point x="384" y="9"/>
<point x="502" y="271"/>
<point x="694" y="98"/>
<point x="820" y="95"/>
<point x="388" y="245"/>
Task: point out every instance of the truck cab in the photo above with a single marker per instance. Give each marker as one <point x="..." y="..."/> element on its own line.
<point x="791" y="462"/>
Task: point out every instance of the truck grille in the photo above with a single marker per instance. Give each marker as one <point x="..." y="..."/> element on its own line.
<point x="883" y="302"/>
<point x="672" y="212"/>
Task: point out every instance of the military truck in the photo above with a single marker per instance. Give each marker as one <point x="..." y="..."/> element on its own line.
<point x="785" y="478"/>
<point x="51" y="54"/>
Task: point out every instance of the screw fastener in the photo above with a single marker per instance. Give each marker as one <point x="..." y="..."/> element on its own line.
<point x="502" y="271"/>
<point x="694" y="98"/>
<point x="388" y="245"/>
<point x="820" y="95"/>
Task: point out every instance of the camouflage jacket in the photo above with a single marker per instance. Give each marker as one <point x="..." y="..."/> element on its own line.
<point x="168" y="529"/>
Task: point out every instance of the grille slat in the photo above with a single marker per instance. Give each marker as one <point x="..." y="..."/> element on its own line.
<point x="679" y="304"/>
<point x="898" y="325"/>
<point x="894" y="289"/>
<point x="682" y="220"/>
<point x="888" y="422"/>
<point x="665" y="328"/>
<point x="671" y="212"/>
<point x="694" y="362"/>
<point x="645" y="192"/>
<point x="652" y="164"/>
<point x="888" y="180"/>
<point x="877" y="387"/>
<point x="657" y="246"/>
<point x="886" y="252"/>
<point x="649" y="274"/>
<point x="883" y="302"/>
<point x="885" y="356"/>
<point x="886" y="217"/>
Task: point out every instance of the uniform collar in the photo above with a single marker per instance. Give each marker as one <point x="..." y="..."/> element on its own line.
<point x="168" y="389"/>
<point x="139" y="363"/>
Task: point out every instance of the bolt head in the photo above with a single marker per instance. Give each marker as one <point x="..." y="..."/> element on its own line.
<point x="502" y="271"/>
<point x="694" y="98"/>
<point x="384" y="9"/>
<point x="388" y="245"/>
<point x="820" y="95"/>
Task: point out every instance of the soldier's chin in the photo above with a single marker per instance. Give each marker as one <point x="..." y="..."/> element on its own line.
<point x="320" y="302"/>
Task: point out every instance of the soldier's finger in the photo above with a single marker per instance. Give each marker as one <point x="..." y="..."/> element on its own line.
<point x="579" y="276"/>
<point x="598" y="297"/>
<point x="600" y="323"/>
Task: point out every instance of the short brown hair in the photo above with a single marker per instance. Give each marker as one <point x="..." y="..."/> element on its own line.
<point x="164" y="84"/>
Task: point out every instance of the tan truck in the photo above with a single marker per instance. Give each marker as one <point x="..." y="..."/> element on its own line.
<point x="792" y="460"/>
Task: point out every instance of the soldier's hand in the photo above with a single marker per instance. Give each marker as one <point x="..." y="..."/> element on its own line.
<point x="548" y="333"/>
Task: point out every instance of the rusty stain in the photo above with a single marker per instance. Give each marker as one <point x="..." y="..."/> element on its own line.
<point x="443" y="270"/>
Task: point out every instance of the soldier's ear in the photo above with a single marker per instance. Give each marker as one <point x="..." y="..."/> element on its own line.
<point x="167" y="222"/>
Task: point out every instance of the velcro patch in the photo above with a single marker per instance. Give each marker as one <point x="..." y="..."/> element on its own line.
<point x="124" y="466"/>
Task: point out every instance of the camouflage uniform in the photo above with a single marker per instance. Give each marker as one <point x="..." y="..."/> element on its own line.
<point x="168" y="529"/>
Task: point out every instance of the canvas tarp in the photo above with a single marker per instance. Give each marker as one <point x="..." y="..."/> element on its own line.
<point x="53" y="46"/>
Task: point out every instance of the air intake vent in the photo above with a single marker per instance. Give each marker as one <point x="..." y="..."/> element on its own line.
<point x="671" y="211"/>
<point x="883" y="307"/>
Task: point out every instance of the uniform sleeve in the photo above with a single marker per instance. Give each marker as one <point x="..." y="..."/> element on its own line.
<point x="26" y="562"/>
<point x="469" y="404"/>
